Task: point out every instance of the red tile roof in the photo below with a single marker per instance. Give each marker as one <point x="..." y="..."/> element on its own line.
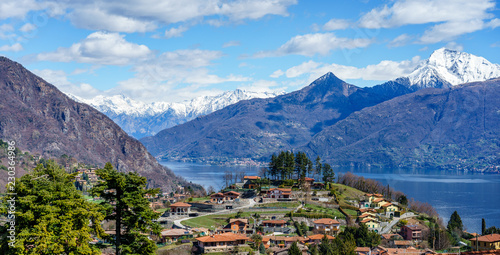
<point x="362" y="249"/>
<point x="326" y="221"/>
<point x="320" y="236"/>
<point x="232" y="193"/>
<point x="226" y="237"/>
<point x="180" y="204"/>
<point x="217" y="195"/>
<point x="251" y="177"/>
<point x="240" y="220"/>
<point x="488" y="238"/>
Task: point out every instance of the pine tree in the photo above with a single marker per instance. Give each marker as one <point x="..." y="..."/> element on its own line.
<point x="314" y="250"/>
<point x="125" y="204"/>
<point x="51" y="216"/>
<point x="294" y="249"/>
<point x="262" y="249"/>
<point x="455" y="223"/>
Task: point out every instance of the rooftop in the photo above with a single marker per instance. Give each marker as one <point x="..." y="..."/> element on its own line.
<point x="488" y="238"/>
<point x="180" y="204"/>
<point x="326" y="221"/>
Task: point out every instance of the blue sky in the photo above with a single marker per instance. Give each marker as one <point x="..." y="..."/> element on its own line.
<point x="176" y="50"/>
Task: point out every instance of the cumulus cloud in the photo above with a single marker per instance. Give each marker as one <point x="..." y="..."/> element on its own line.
<point x="13" y="47"/>
<point x="175" y="31"/>
<point x="317" y="43"/>
<point x="100" y="48"/>
<point x="401" y="40"/>
<point x="276" y="74"/>
<point x="336" y="24"/>
<point x="141" y="16"/>
<point x="59" y="78"/>
<point x="383" y="71"/>
<point x="453" y="17"/>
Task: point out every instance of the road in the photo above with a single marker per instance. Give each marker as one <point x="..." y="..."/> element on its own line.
<point x="394" y="221"/>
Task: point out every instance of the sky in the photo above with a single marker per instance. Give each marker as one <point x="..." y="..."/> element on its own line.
<point x="172" y="50"/>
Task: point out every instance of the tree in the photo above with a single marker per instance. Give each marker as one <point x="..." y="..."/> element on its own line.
<point x="262" y="249"/>
<point x="126" y="205"/>
<point x="483" y="227"/>
<point x="314" y="250"/>
<point x="51" y="216"/>
<point x="294" y="249"/>
<point x="328" y="174"/>
<point x="455" y="223"/>
<point x="256" y="239"/>
<point x="403" y="200"/>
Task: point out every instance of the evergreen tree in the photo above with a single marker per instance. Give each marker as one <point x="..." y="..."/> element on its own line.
<point x="314" y="250"/>
<point x="328" y="174"/>
<point x="126" y="205"/>
<point x="403" y="200"/>
<point x="483" y="226"/>
<point x="294" y="249"/>
<point x="262" y="249"/>
<point x="326" y="247"/>
<point x="455" y="223"/>
<point x="51" y="216"/>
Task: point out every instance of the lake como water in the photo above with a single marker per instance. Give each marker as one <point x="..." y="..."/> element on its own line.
<point x="473" y="196"/>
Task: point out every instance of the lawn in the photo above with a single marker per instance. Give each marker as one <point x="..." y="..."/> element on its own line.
<point x="347" y="192"/>
<point x="280" y="205"/>
<point x="351" y="212"/>
<point x="319" y="209"/>
<point x="200" y="199"/>
<point x="214" y="220"/>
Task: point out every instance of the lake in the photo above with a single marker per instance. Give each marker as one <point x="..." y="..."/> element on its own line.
<point x="473" y="196"/>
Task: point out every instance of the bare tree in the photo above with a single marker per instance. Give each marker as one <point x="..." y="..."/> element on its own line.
<point x="228" y="178"/>
<point x="210" y="190"/>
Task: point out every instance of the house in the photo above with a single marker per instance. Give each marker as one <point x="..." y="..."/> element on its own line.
<point x="486" y="242"/>
<point x="221" y="243"/>
<point x="279" y="193"/>
<point x="326" y="225"/>
<point x="308" y="181"/>
<point x="318" y="186"/>
<point x="367" y="216"/>
<point x="200" y="231"/>
<point x="363" y="251"/>
<point x="274" y="223"/>
<point x="372" y="224"/>
<point x="390" y="207"/>
<point x="372" y="197"/>
<point x="316" y="239"/>
<point x="217" y="198"/>
<point x="284" y="241"/>
<point x="249" y="182"/>
<point x="285" y="250"/>
<point x="379" y="250"/>
<point x="231" y="196"/>
<point x="379" y="202"/>
<point x="173" y="235"/>
<point x="402" y="243"/>
<point x="236" y="226"/>
<point x="485" y="252"/>
<point x="411" y="232"/>
<point x="180" y="208"/>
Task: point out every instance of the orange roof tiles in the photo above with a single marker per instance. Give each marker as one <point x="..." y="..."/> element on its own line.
<point x="308" y="179"/>
<point x="402" y="242"/>
<point x="362" y="249"/>
<point x="376" y="200"/>
<point x="488" y="238"/>
<point x="251" y="177"/>
<point x="240" y="220"/>
<point x="180" y="204"/>
<point x="326" y="221"/>
<point x="386" y="205"/>
<point x="232" y="193"/>
<point x="226" y="237"/>
<point x="320" y="236"/>
<point x="217" y="195"/>
<point x="273" y="222"/>
<point x="368" y="220"/>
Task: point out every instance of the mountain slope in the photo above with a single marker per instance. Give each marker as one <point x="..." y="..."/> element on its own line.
<point x="449" y="128"/>
<point x="41" y="119"/>
<point x="141" y="119"/>
<point x="254" y="129"/>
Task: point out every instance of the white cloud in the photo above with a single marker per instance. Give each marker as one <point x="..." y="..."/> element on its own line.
<point x="13" y="47"/>
<point x="453" y="17"/>
<point x="336" y="24"/>
<point x="100" y="48"/>
<point x="175" y="31"/>
<point x="174" y="76"/>
<point x="276" y="74"/>
<point x="145" y="15"/>
<point x="494" y="23"/>
<point x="60" y="80"/>
<point x="231" y="44"/>
<point x="6" y="31"/>
<point x="401" y="40"/>
<point x="318" y="43"/>
<point x="383" y="71"/>
<point x="454" y="46"/>
<point x="28" y="27"/>
<point x="262" y="86"/>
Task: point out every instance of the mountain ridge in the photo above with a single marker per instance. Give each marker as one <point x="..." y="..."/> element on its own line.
<point x="41" y="119"/>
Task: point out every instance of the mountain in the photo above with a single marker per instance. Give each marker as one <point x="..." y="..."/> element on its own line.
<point x="455" y="128"/>
<point x="43" y="120"/>
<point x="142" y="119"/>
<point x="255" y="129"/>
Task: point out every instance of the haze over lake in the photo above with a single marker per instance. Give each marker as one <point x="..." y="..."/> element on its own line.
<point x="473" y="196"/>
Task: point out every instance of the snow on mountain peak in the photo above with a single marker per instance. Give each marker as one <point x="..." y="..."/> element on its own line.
<point x="447" y="67"/>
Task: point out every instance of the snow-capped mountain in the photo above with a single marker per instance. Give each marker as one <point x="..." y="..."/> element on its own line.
<point x="141" y="119"/>
<point x="446" y="68"/>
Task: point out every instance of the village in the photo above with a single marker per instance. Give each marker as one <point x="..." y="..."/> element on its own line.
<point x="258" y="217"/>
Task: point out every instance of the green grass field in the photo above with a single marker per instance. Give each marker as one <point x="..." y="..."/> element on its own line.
<point x="319" y="209"/>
<point x="280" y="204"/>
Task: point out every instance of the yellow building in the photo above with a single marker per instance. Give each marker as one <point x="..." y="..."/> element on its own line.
<point x="389" y="207"/>
<point x="371" y="223"/>
<point x="486" y="242"/>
